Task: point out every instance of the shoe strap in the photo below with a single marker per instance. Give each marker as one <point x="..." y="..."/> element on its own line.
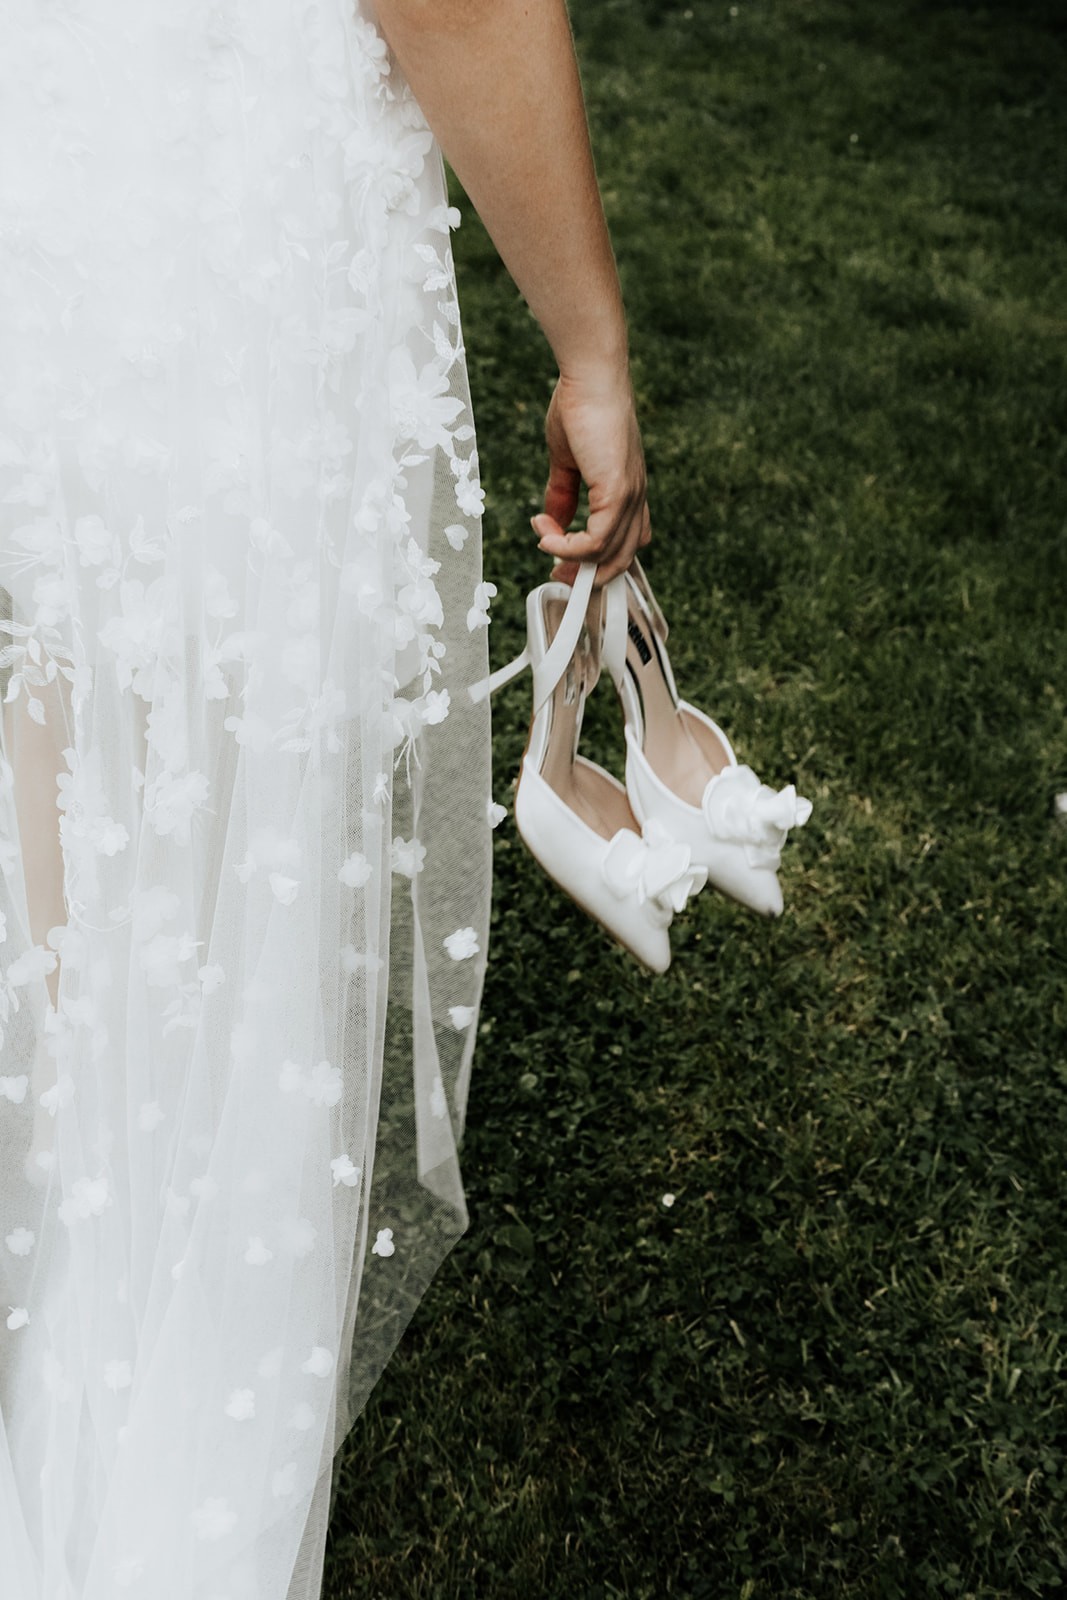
<point x="550" y="669"/>
<point x="643" y="589"/>
<point x="613" y="643"/>
<point x="487" y="686"/>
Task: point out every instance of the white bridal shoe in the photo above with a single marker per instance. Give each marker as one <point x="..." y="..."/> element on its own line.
<point x="681" y="771"/>
<point x="631" y="877"/>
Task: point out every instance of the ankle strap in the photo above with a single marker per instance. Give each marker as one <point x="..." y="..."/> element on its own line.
<point x="552" y="666"/>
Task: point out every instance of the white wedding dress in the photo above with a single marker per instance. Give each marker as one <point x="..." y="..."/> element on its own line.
<point x="245" y="818"/>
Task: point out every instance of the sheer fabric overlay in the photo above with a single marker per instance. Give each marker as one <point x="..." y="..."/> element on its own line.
<point x="244" y="798"/>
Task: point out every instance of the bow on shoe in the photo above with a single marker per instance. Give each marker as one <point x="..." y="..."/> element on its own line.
<point x="656" y="866"/>
<point x="740" y="809"/>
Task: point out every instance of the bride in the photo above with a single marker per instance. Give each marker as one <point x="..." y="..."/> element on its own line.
<point x="245" y="808"/>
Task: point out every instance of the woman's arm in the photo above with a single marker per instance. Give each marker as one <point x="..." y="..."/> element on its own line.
<point x="498" y="82"/>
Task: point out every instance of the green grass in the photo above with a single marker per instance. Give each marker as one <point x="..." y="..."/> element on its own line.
<point x="834" y="1367"/>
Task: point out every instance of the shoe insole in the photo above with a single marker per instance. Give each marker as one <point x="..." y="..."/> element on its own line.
<point x="601" y="804"/>
<point x="682" y="752"/>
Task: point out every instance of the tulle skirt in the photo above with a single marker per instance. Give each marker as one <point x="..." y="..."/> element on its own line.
<point x="244" y="796"/>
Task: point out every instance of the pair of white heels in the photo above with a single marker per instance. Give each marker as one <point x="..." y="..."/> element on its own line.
<point x="689" y="814"/>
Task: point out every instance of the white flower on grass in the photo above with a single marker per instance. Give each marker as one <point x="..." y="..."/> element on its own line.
<point x="20" y="1241"/>
<point x="383" y="1244"/>
<point x="408" y="856"/>
<point x="355" y="870"/>
<point x="462" y="944"/>
<point x="478" y="615"/>
<point x="461" y="1016"/>
<point x="241" y="1405"/>
<point x="668" y="1199"/>
<point x="213" y="1519"/>
<point x="344" y="1171"/>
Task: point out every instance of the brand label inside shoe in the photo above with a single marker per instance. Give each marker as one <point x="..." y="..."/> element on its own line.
<point x="639" y="640"/>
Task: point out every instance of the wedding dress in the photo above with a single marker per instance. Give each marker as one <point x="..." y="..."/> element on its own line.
<point x="245" y="817"/>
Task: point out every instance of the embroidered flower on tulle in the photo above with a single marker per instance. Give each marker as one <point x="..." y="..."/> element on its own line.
<point x="344" y="1171"/>
<point x="241" y="1405"/>
<point x="88" y="1197"/>
<point x="20" y="1241"/>
<point x="461" y="1016"/>
<point x="214" y="1519"/>
<point x="383" y="1244"/>
<point x="478" y="615"/>
<point x="408" y="856"/>
<point x="462" y="944"/>
<point x="355" y="870"/>
<point x="319" y="1363"/>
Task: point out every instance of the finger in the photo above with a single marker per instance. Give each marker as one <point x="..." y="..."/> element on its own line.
<point x="565" y="572"/>
<point x="573" y="548"/>
<point x="619" y="558"/>
<point x="597" y="541"/>
<point x="646" y="529"/>
<point x="561" y="493"/>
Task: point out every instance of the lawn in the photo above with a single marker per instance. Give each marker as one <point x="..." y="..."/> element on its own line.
<point x="834" y="1365"/>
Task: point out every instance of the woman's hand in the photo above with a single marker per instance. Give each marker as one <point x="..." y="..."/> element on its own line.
<point x="593" y="436"/>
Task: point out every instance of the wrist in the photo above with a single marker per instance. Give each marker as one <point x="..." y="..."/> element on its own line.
<point x="598" y="349"/>
<point x="596" y="365"/>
